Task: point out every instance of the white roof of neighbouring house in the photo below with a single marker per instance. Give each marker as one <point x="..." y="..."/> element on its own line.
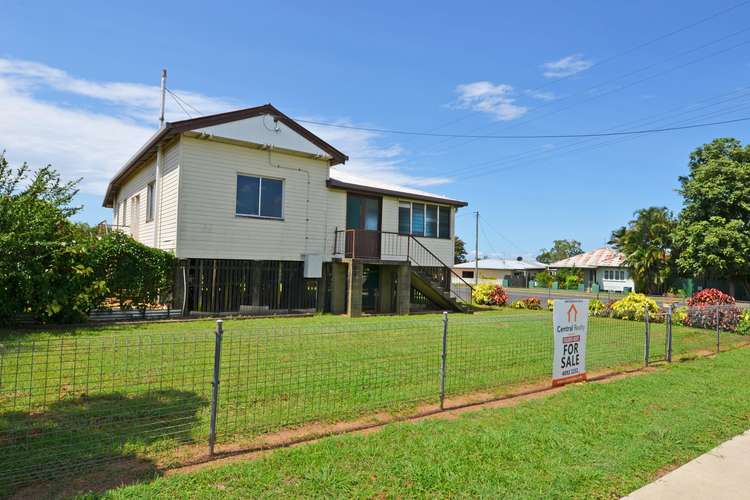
<point x="345" y="180"/>
<point x="505" y="264"/>
<point x="601" y="257"/>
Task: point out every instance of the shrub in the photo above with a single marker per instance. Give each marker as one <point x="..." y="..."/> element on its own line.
<point x="703" y="306"/>
<point x="569" y="279"/>
<point x="489" y="294"/>
<point x="544" y="279"/>
<point x="530" y="303"/>
<point x="633" y="307"/>
<point x="709" y="296"/>
<point x="596" y="307"/>
<point x="135" y="274"/>
<point x="679" y="315"/>
<point x="572" y="282"/>
<point x="533" y="303"/>
<point x="743" y="326"/>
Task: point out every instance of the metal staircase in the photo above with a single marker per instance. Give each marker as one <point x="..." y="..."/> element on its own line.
<point x="435" y="279"/>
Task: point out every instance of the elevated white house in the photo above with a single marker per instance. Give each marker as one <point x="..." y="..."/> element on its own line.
<point x="259" y="221"/>
<point x="604" y="267"/>
<point x="510" y="272"/>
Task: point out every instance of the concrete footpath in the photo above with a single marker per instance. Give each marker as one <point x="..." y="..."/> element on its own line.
<point x="722" y="473"/>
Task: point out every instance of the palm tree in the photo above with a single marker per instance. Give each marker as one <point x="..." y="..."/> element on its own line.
<point x="647" y="244"/>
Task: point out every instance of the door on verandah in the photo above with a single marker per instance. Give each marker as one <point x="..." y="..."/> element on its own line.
<point x="363" y="226"/>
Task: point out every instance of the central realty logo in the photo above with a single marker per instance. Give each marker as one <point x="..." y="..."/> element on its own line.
<point x="572" y="313"/>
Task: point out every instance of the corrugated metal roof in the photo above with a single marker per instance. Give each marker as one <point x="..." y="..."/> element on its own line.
<point x="601" y="257"/>
<point x="509" y="264"/>
<point x="345" y="180"/>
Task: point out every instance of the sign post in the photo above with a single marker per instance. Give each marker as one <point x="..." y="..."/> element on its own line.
<point x="570" y="320"/>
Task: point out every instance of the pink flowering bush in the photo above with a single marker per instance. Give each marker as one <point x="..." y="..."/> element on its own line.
<point x="702" y="310"/>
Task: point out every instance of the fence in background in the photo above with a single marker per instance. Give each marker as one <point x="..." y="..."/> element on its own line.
<point x="70" y="404"/>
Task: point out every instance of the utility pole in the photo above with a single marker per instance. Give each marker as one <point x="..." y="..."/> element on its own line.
<point x="476" y="250"/>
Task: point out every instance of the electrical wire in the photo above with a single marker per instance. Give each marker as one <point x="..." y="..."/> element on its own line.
<point x="180" y="99"/>
<point x="611" y="91"/>
<point x="174" y="97"/>
<point x="526" y="136"/>
<point x="613" y="57"/>
<point x="711" y="102"/>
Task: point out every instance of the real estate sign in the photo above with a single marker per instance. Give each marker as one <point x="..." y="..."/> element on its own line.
<point x="570" y="320"/>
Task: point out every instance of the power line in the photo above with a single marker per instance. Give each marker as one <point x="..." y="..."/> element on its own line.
<point x="615" y="56"/>
<point x="557" y="153"/>
<point x="484" y="220"/>
<point x="620" y="88"/>
<point x="174" y="97"/>
<point x="180" y="99"/>
<point x="530" y="136"/>
<point x="710" y="102"/>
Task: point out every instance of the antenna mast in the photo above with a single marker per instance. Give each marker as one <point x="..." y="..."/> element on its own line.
<point x="163" y="96"/>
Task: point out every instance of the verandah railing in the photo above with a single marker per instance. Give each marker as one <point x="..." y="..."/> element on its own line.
<point x="387" y="245"/>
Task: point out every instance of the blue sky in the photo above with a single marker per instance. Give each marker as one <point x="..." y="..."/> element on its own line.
<point x="78" y="89"/>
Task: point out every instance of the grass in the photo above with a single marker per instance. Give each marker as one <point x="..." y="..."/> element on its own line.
<point x="589" y="441"/>
<point x="75" y="398"/>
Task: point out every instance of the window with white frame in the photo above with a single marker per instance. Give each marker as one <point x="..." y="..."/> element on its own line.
<point x="424" y="219"/>
<point x="259" y="196"/>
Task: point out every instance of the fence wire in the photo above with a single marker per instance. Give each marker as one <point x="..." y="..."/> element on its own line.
<point x="71" y="404"/>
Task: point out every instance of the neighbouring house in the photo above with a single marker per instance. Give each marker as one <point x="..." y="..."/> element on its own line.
<point x="508" y="272"/>
<point x="603" y="267"/>
<point x="260" y="222"/>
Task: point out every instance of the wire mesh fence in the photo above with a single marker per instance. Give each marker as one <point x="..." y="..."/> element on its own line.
<point x="70" y="404"/>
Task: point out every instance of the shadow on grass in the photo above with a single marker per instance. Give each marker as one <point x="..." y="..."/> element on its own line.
<point x="92" y="443"/>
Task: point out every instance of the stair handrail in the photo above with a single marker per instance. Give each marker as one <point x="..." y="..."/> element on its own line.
<point x="454" y="273"/>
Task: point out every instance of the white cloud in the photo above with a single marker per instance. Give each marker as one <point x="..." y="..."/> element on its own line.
<point x="567" y="66"/>
<point x="94" y="136"/>
<point x="369" y="160"/>
<point x="486" y="97"/>
<point x="542" y="95"/>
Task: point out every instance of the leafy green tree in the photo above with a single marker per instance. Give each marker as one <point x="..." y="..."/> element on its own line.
<point x="713" y="232"/>
<point x="459" y="253"/>
<point x="44" y="268"/>
<point x="647" y="244"/>
<point x="561" y="249"/>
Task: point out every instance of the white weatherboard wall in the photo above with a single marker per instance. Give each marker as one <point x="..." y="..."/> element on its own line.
<point x="208" y="225"/>
<point x="135" y="188"/>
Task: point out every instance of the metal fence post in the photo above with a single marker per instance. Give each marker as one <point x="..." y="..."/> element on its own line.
<point x="647" y="319"/>
<point x="669" y="334"/>
<point x="215" y="386"/>
<point x="718" y="330"/>
<point x="443" y="359"/>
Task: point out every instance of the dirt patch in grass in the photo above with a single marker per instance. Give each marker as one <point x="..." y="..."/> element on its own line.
<point x="195" y="457"/>
<point x="311" y="433"/>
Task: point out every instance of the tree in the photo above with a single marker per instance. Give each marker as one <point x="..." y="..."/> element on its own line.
<point x="647" y="244"/>
<point x="713" y="232"/>
<point x="561" y="249"/>
<point x="459" y="253"/>
<point x="44" y="269"/>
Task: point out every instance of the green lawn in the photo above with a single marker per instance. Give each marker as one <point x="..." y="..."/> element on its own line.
<point x="589" y="441"/>
<point x="75" y="398"/>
